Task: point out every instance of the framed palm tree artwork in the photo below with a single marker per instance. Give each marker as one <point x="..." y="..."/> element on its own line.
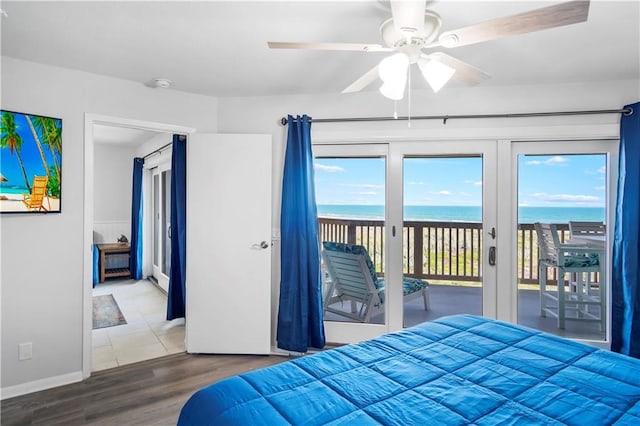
<point x="30" y="163"/>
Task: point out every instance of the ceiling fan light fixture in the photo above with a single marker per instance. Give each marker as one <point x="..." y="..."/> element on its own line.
<point x="393" y="73"/>
<point x="391" y="91"/>
<point x="435" y="72"/>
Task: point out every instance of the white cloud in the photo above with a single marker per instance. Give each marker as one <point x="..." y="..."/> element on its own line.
<point x="553" y="161"/>
<point x="328" y="169"/>
<point x="368" y="193"/>
<point x="602" y="170"/>
<point x="474" y="182"/>
<point x="362" y="185"/>
<point x="571" y="198"/>
<point x="415" y="183"/>
<point x="466" y="194"/>
<point x="443" y="192"/>
<point x="600" y="188"/>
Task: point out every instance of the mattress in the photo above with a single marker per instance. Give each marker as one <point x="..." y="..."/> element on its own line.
<point x="456" y="370"/>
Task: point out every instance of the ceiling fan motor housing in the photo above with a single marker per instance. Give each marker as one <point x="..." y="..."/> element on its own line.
<point x="411" y="36"/>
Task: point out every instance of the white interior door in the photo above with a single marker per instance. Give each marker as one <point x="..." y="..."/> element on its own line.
<point x="228" y="244"/>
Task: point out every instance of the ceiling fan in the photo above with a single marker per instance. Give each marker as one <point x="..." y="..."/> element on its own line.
<point x="413" y="31"/>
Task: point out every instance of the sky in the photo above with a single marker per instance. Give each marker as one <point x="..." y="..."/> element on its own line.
<point x="544" y="181"/>
<point x="9" y="166"/>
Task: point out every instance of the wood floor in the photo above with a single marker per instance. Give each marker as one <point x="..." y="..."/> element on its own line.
<point x="146" y="393"/>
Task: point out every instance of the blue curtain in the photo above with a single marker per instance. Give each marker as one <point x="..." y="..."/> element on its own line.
<point x="177" y="272"/>
<point x="135" y="259"/>
<point x="625" y="285"/>
<point x="96" y="265"/>
<point x="300" y="314"/>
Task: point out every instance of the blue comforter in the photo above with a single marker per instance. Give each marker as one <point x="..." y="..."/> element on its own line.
<point x="456" y="370"/>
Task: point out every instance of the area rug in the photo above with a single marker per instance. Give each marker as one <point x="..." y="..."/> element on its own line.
<point x="106" y="312"/>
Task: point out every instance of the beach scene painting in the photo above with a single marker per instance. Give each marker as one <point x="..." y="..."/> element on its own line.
<point x="30" y="163"/>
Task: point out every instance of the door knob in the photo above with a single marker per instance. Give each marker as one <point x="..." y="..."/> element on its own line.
<point x="263" y="245"/>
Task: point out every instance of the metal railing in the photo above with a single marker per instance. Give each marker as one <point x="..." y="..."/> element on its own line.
<point x="447" y="251"/>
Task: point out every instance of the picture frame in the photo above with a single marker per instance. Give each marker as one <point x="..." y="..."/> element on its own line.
<point x="30" y="163"/>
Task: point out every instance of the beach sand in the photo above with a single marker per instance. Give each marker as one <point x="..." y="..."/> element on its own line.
<point x="13" y="203"/>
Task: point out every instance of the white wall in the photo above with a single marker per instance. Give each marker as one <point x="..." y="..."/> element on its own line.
<point x="113" y="170"/>
<point x="42" y="255"/>
<point x="262" y="115"/>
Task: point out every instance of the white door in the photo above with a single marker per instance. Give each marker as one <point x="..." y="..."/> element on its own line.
<point x="228" y="306"/>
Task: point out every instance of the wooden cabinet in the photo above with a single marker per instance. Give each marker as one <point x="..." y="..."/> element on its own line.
<point x="111" y="250"/>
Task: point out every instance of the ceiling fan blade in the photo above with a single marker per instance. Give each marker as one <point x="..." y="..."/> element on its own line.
<point x="465" y="73"/>
<point x="366" y="79"/>
<point x="558" y="15"/>
<point x="357" y="47"/>
<point x="408" y="16"/>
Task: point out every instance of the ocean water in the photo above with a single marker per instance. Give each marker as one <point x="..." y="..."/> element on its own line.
<point x="463" y="213"/>
<point x="5" y="189"/>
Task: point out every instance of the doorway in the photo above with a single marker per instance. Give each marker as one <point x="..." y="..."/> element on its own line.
<point x="90" y="197"/>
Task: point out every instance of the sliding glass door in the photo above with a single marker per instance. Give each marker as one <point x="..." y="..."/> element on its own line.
<point x="161" y="210"/>
<point x="564" y="192"/>
<point x="448" y="233"/>
<point x="351" y="193"/>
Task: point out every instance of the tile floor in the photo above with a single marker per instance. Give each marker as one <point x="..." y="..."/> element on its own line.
<point x="147" y="333"/>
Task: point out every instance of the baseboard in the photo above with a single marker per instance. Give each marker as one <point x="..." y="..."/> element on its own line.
<point x="38" y="385"/>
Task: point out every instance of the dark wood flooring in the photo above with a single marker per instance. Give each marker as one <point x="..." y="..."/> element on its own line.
<point x="146" y="393"/>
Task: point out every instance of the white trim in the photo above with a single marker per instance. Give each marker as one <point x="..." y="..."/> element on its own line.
<point x="87" y="265"/>
<point x="42" y="384"/>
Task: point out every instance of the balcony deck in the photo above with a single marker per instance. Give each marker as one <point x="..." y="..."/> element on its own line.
<point x="451" y="300"/>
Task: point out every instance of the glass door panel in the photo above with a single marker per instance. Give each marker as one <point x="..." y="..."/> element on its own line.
<point x="567" y="194"/>
<point x="350" y="193"/>
<point x="442" y="237"/>
<point x="161" y="178"/>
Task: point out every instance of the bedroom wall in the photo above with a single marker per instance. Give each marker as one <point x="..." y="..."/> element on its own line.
<point x="112" y="191"/>
<point x="42" y="255"/>
<point x="262" y="115"/>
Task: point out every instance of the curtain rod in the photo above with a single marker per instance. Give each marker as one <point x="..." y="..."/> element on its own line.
<point x="444" y="118"/>
<point x="162" y="148"/>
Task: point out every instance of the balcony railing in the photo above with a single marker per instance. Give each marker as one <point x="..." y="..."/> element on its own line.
<point x="447" y="251"/>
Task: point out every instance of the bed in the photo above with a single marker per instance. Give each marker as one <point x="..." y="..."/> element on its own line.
<point x="456" y="370"/>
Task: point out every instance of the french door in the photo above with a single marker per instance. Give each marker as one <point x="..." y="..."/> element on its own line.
<point x="445" y="200"/>
<point x="558" y="184"/>
<point x="161" y="226"/>
<point x="366" y="196"/>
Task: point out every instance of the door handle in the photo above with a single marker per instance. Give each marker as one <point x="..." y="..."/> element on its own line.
<point x="492" y="256"/>
<point x="263" y="245"/>
<point x="492" y="233"/>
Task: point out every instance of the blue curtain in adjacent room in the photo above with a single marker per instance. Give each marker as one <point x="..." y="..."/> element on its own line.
<point x="300" y="323"/>
<point x="96" y="265"/>
<point x="625" y="285"/>
<point x="135" y="259"/>
<point x="177" y="272"/>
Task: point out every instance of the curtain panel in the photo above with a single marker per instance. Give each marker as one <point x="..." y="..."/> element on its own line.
<point x="300" y="322"/>
<point x="177" y="273"/>
<point x="135" y="258"/>
<point x="625" y="276"/>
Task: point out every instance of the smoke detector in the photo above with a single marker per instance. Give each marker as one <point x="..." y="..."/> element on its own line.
<point x="160" y="83"/>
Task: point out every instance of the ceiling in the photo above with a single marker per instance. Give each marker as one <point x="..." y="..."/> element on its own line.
<point x="219" y="48"/>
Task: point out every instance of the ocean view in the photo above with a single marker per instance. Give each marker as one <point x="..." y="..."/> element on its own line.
<point x="463" y="213"/>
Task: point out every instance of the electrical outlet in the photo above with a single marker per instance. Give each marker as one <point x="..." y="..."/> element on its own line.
<point x="25" y="351"/>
